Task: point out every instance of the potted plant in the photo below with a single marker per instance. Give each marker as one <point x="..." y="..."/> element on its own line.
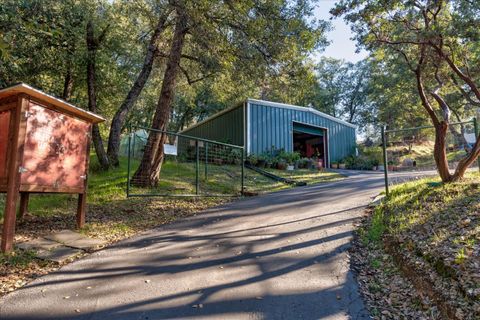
<point x="297" y="164"/>
<point x="282" y="164"/>
<point x="261" y="161"/>
<point x="319" y="163"/>
<point x="374" y="165"/>
<point x="334" y="165"/>
<point x="252" y="160"/>
<point x="303" y="163"/>
<point x="390" y="165"/>
<point x="341" y="164"/>
<point x="292" y="159"/>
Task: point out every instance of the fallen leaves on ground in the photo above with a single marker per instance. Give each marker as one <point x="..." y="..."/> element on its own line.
<point x="434" y="230"/>
<point x="387" y="294"/>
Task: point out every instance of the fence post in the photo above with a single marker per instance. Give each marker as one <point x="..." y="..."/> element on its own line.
<point x="243" y="171"/>
<point x="128" y="160"/>
<point x="385" y="162"/>
<point x="475" y="128"/>
<point x="133" y="143"/>
<point x="206" y="160"/>
<point x="197" y="165"/>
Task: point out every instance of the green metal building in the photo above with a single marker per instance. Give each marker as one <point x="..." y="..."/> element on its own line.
<point x="262" y="126"/>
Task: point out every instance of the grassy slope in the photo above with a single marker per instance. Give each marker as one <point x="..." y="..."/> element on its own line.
<point x="422" y="154"/>
<point x="437" y="224"/>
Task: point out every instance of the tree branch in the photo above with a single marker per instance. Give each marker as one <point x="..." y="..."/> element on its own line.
<point x="421" y="89"/>
<point x="189" y="79"/>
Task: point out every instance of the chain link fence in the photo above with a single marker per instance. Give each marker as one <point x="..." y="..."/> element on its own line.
<point x="412" y="149"/>
<point x="192" y="166"/>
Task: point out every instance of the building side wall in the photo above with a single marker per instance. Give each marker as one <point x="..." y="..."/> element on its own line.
<point x="272" y="127"/>
<point x="226" y="128"/>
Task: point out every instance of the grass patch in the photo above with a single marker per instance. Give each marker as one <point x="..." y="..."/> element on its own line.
<point x="422" y="153"/>
<point x="437" y="224"/>
<point x="18" y="258"/>
<point x="307" y="175"/>
<point x="377" y="228"/>
<point x="435" y="229"/>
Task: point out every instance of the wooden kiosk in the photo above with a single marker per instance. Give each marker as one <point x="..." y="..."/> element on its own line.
<point x="44" y="148"/>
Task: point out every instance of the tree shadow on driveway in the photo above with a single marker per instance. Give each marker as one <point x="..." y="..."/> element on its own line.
<point x="255" y="259"/>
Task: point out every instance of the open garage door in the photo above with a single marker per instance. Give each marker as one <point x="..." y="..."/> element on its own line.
<point x="310" y="141"/>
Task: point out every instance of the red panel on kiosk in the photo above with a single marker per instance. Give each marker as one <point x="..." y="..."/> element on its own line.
<point x="55" y="149"/>
<point x="4" y="131"/>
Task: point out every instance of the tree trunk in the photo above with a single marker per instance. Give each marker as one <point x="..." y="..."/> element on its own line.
<point x="475" y="152"/>
<point x="148" y="172"/>
<point x="441" y="127"/>
<point x="467" y="161"/>
<point x="440" y="151"/>
<point x="68" y="85"/>
<point x="68" y="80"/>
<point x="92" y="45"/>
<point x="120" y="116"/>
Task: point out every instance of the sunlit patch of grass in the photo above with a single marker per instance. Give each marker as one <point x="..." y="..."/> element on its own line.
<point x="377" y="228"/>
<point x="422" y="154"/>
<point x="307" y="175"/>
<point x="413" y="203"/>
<point x="460" y="256"/>
<point x="433" y="221"/>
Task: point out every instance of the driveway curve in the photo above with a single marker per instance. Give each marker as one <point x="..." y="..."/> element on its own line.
<point x="277" y="256"/>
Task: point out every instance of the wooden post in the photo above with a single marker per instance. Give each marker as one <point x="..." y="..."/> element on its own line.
<point x="82" y="197"/>
<point x="24" y="197"/>
<point x="18" y="124"/>
<point x="82" y="202"/>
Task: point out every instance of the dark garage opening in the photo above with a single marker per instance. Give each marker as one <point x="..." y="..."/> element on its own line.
<point x="310" y="142"/>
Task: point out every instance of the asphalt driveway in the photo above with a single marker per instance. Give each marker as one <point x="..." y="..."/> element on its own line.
<point x="278" y="256"/>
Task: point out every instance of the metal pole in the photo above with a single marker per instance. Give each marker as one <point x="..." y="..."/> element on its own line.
<point x="243" y="171"/>
<point x="133" y="144"/>
<point x="475" y="127"/>
<point x="197" y="164"/>
<point x="385" y="165"/>
<point x="128" y="160"/>
<point x="206" y="160"/>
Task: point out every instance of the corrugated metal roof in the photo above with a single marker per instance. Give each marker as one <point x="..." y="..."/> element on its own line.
<point x="294" y="107"/>
<point x="273" y="104"/>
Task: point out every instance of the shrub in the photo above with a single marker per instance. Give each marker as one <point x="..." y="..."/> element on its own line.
<point x="303" y="163"/>
<point x="252" y="159"/>
<point x="375" y="154"/>
<point x="234" y="156"/>
<point x="359" y="163"/>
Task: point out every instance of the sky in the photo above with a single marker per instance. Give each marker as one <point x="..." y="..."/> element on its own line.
<point x="341" y="46"/>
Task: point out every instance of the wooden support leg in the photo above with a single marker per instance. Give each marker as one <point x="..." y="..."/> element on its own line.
<point x="18" y="124"/>
<point x="10" y="216"/>
<point x="82" y="201"/>
<point x="24" y="197"/>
